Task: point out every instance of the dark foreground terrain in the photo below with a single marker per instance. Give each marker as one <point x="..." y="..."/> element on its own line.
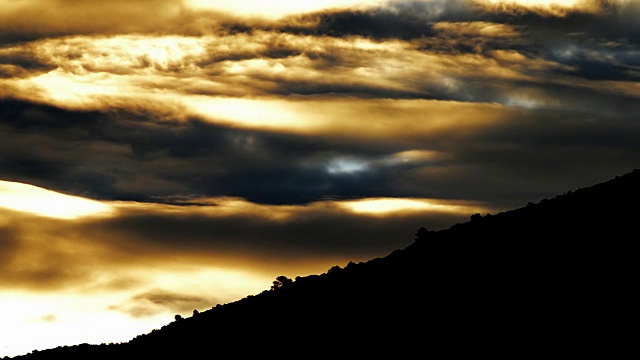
<point x="552" y="279"/>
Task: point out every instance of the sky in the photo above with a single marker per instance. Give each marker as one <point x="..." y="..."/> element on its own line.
<point x="159" y="157"/>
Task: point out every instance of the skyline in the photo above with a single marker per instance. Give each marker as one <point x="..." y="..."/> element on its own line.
<point x="160" y="157"/>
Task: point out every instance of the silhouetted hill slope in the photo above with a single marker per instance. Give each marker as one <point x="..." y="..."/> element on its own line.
<point x="554" y="278"/>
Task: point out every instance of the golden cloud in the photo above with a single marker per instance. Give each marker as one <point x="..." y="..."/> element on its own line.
<point x="545" y="7"/>
<point x="47" y="252"/>
<point x="65" y="17"/>
<point x="278" y="8"/>
<point x="180" y="77"/>
<point x="476" y="28"/>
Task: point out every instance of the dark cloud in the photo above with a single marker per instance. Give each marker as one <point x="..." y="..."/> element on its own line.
<point x="599" y="39"/>
<point x="158" y="301"/>
<point x="126" y="156"/>
<point x="295" y="87"/>
<point x="596" y="40"/>
<point x="397" y="20"/>
<point x="596" y="61"/>
<point x="378" y="25"/>
<point x="122" y="155"/>
<point x="314" y="232"/>
<point x="21" y="62"/>
<point x="568" y="145"/>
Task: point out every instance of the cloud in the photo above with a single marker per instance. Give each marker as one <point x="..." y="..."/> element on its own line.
<point x="187" y="72"/>
<point x="21" y="61"/>
<point x="275" y="9"/>
<point x="454" y="60"/>
<point x="393" y="20"/>
<point x="41" y="257"/>
<point x="64" y="17"/>
<point x="589" y="36"/>
<point x="124" y="154"/>
<point x="287" y="232"/>
<point x="8" y="242"/>
<point x="137" y="241"/>
<point x="158" y="301"/>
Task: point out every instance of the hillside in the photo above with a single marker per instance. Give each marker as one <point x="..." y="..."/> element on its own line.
<point x="550" y="278"/>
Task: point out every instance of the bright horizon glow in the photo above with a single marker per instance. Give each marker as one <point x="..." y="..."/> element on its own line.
<point x="43" y="202"/>
<point x="70" y="317"/>
<point x="61" y="319"/>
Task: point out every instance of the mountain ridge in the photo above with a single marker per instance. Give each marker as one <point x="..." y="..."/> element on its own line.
<point x="554" y="276"/>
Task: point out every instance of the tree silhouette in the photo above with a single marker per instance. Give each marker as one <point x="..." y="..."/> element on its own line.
<point x="280" y="281"/>
<point x="422" y="234"/>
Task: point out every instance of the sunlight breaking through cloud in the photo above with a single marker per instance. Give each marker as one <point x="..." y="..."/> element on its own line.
<point x="346" y="166"/>
<point x="43" y="202"/>
<point x="385" y="206"/>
